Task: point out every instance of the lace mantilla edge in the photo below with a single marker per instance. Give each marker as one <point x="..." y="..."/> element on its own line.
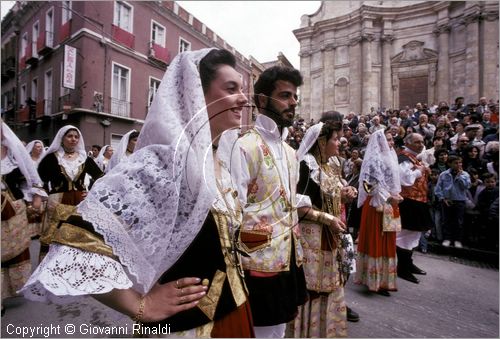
<point x="103" y="221"/>
<point x="68" y="271"/>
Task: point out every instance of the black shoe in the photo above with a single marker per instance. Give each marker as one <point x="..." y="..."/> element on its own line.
<point x="383" y="292"/>
<point x="415" y="270"/>
<point x="408" y="276"/>
<point x="351" y="315"/>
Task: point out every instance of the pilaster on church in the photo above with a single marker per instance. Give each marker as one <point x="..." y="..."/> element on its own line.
<point x="379" y="56"/>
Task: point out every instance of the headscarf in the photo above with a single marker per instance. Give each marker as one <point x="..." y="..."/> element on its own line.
<point x="309" y="139"/>
<point x="380" y="167"/>
<point x="150" y="207"/>
<point x="29" y="148"/>
<point x="120" y="151"/>
<point x="100" y="158"/>
<point x="56" y="145"/>
<point x="21" y="158"/>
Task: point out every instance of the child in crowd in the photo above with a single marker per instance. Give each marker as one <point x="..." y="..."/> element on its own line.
<point x="451" y="190"/>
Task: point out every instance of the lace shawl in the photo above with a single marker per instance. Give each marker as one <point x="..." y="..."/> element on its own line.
<point x="150" y="207"/>
<point x="380" y="169"/>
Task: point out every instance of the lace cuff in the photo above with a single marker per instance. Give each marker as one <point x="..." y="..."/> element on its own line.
<point x="69" y="271"/>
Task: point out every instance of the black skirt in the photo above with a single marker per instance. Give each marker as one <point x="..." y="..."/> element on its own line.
<point x="275" y="300"/>
<point x="415" y="215"/>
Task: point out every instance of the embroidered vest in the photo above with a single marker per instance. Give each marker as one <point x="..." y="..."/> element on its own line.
<point x="270" y="220"/>
<point x="419" y="189"/>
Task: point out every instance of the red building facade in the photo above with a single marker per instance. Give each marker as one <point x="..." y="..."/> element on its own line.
<point x="121" y="51"/>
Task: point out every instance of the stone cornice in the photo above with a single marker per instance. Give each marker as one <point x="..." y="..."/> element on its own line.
<point x="367" y="37"/>
<point x="443" y="28"/>
<point x="490" y="16"/>
<point x="354" y="40"/>
<point x="471" y="18"/>
<point x="305" y="54"/>
<point x="387" y="38"/>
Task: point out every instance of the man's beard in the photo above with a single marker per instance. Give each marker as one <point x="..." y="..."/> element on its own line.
<point x="276" y="116"/>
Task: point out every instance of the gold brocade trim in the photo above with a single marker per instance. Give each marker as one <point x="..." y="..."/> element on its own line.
<point x="205" y="331"/>
<point x="208" y="304"/>
<point x="236" y="282"/>
<point x="74" y="236"/>
<point x="60" y="212"/>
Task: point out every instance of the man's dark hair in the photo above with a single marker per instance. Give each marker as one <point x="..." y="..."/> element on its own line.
<point x="97" y="146"/>
<point x="489" y="175"/>
<point x="332" y="116"/>
<point x="211" y="63"/>
<point x="440" y="151"/>
<point x="267" y="80"/>
<point x="133" y="135"/>
<point x="452" y="158"/>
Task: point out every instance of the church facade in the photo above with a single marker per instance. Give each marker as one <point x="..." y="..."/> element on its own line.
<point x="359" y="55"/>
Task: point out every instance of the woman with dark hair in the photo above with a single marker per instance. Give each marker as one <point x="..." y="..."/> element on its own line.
<point x="472" y="159"/>
<point x="324" y="315"/>
<point x="164" y="223"/>
<point x="441" y="156"/>
<point x="62" y="170"/>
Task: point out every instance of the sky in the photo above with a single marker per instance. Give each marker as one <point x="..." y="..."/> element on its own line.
<point x="261" y="29"/>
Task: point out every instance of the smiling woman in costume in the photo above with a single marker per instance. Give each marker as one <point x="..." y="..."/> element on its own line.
<point x="183" y="271"/>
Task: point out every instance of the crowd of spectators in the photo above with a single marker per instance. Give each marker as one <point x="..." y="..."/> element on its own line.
<point x="468" y="131"/>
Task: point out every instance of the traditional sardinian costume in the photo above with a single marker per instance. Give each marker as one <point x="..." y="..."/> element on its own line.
<point x="324" y="315"/>
<point x="415" y="214"/>
<point x="17" y="172"/>
<point x="266" y="175"/>
<point x="35" y="217"/>
<point x="379" y="178"/>
<point x="170" y="177"/>
<point x="64" y="179"/>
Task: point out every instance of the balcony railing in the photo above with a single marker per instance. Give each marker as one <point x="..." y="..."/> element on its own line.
<point x="10" y="66"/>
<point x="23" y="114"/>
<point x="65" y="31"/>
<point x="122" y="36"/>
<point x="120" y="107"/>
<point x="65" y="103"/>
<point x="45" y="42"/>
<point x="158" y="52"/>
<point x="31" y="54"/>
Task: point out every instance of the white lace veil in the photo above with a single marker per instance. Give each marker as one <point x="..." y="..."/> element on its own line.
<point x="120" y="150"/>
<point x="380" y="167"/>
<point x="31" y="144"/>
<point x="21" y="157"/>
<point x="309" y="139"/>
<point x="150" y="207"/>
<point x="56" y="145"/>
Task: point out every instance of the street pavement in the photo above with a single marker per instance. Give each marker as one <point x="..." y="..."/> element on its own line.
<point x="456" y="299"/>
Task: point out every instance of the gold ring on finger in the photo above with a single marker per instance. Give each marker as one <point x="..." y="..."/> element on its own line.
<point x="177" y="284"/>
<point x="182" y="291"/>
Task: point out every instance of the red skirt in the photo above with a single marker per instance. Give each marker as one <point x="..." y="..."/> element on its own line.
<point x="376" y="265"/>
<point x="372" y="241"/>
